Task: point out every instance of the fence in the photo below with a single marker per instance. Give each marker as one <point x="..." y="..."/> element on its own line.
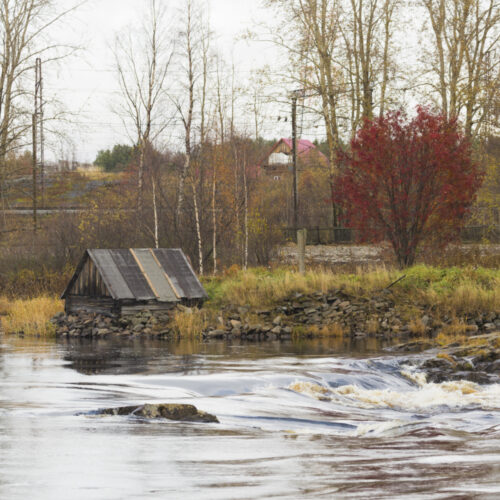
<point x="476" y="234"/>
<point x="343" y="235"/>
<point x="323" y="235"/>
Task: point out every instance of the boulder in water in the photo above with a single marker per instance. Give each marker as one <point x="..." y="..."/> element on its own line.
<point x="171" y="411"/>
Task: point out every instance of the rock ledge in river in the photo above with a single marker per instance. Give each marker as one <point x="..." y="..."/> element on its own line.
<point x="171" y="411"/>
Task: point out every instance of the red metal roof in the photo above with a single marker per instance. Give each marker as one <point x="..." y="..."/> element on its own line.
<point x="303" y="145"/>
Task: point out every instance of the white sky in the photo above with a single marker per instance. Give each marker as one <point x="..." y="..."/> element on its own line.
<point x="87" y="83"/>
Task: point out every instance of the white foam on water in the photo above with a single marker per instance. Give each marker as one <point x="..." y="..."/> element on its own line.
<point x="420" y="378"/>
<point x="454" y="394"/>
<point x="310" y="389"/>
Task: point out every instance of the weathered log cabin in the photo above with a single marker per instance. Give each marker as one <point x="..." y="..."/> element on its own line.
<point x="125" y="281"/>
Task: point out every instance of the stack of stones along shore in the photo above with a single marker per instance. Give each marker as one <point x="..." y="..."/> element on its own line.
<point x="377" y="316"/>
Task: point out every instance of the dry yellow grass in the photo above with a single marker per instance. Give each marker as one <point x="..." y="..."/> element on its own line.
<point x="456" y="332"/>
<point x="329" y="330"/>
<point x="372" y="325"/>
<point x="456" y="328"/>
<point x="30" y="316"/>
<point x="191" y="323"/>
<point x="333" y="330"/>
<point x="258" y="287"/>
<point x="445" y="355"/>
<point x="443" y="339"/>
<point x="4" y="305"/>
<point x="468" y="299"/>
<point x="417" y="327"/>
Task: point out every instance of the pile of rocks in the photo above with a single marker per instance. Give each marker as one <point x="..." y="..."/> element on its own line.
<point x="377" y="316"/>
<point x="237" y="327"/>
<point x="355" y="315"/>
<point x="306" y="315"/>
<point x="477" y="361"/>
<point x="88" y="324"/>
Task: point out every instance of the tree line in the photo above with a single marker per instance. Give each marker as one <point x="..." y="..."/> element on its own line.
<point x="191" y="177"/>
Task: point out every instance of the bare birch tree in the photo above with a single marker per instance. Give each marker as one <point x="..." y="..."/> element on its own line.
<point x="25" y="27"/>
<point x="198" y="228"/>
<point x="368" y="28"/>
<point x="465" y="32"/>
<point x="196" y="52"/>
<point x="189" y="45"/>
<point x="341" y="49"/>
<point x="142" y="64"/>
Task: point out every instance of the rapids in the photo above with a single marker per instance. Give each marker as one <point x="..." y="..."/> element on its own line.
<point x="296" y="421"/>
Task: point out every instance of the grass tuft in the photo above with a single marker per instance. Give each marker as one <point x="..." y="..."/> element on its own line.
<point x="30" y="316"/>
<point x="191" y="323"/>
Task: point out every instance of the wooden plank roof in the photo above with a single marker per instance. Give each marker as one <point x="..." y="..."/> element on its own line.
<point x="155" y="274"/>
<point x="162" y="274"/>
<point x="182" y="276"/>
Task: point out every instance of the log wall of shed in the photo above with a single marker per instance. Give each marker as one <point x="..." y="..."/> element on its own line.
<point x="101" y="305"/>
<point x="89" y="282"/>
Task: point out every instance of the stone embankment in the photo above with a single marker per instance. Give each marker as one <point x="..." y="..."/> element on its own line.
<point x="87" y="324"/>
<point x="318" y="314"/>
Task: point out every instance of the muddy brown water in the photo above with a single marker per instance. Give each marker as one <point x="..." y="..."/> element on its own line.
<point x="313" y="419"/>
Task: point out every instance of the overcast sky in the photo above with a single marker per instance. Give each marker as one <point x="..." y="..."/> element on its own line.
<point x="87" y="83"/>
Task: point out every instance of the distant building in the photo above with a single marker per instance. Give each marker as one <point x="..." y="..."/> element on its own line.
<point x="279" y="160"/>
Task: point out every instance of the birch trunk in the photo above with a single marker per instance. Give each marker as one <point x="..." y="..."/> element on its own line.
<point x="155" y="214"/>
<point x="245" y="206"/>
<point x="198" y="230"/>
<point x="187" y="119"/>
<point x="214" y="219"/>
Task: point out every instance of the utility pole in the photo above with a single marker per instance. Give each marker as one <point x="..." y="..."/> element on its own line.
<point x="486" y="119"/>
<point x="294" y="162"/>
<point x="33" y="125"/>
<point x="39" y="124"/>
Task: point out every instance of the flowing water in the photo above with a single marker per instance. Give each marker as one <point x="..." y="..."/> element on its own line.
<point x="306" y="420"/>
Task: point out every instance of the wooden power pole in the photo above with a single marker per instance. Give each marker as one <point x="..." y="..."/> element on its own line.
<point x="294" y="163"/>
<point x="39" y="124"/>
<point x="34" y="172"/>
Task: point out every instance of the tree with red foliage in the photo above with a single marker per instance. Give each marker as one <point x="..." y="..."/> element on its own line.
<point x="408" y="181"/>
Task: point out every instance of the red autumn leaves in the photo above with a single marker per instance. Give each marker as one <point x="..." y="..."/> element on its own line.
<point x="408" y="181"/>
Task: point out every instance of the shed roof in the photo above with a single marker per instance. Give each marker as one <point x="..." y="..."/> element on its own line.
<point x="162" y="274"/>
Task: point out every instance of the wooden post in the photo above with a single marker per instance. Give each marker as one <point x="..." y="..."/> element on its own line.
<point x="294" y="163"/>
<point x="301" y="249"/>
<point x="34" y="160"/>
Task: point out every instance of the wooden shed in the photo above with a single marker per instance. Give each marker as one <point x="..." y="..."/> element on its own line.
<point x="126" y="281"/>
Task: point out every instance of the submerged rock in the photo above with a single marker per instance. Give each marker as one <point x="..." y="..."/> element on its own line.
<point x="171" y="411"/>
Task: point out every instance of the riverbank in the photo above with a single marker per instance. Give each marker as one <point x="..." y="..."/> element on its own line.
<point x="260" y="304"/>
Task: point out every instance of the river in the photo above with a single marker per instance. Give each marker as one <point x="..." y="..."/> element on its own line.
<point x="315" y="419"/>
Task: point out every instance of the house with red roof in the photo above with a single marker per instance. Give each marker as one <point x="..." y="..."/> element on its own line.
<point x="278" y="160"/>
